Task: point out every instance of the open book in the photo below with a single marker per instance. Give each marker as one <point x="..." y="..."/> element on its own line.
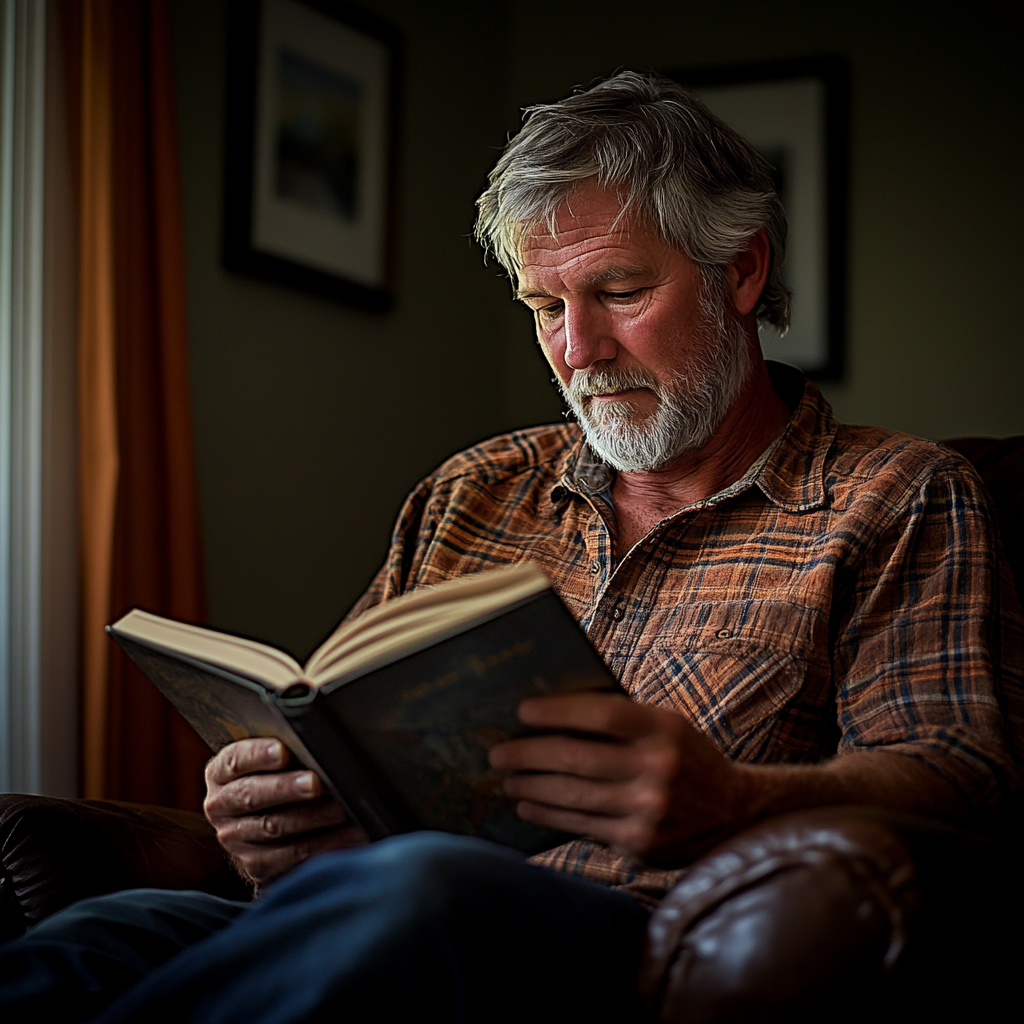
<point x="398" y="709"/>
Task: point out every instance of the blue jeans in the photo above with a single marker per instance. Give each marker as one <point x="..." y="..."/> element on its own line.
<point x="420" y="927"/>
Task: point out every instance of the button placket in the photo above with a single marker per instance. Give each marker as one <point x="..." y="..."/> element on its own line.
<point x="598" y="544"/>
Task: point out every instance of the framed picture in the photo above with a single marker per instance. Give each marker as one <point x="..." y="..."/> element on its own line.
<point x="310" y="148"/>
<point x="796" y="114"/>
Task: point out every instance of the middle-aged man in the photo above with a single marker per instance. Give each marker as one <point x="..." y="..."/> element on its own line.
<point x="804" y="613"/>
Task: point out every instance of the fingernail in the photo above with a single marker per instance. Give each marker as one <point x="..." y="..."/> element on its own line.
<point x="273" y="749"/>
<point x="305" y="783"/>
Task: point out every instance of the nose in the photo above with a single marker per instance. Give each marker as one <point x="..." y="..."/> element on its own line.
<point x="587" y="340"/>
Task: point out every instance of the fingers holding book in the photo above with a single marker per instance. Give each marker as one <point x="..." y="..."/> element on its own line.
<point x="639" y="778"/>
<point x="267" y="817"/>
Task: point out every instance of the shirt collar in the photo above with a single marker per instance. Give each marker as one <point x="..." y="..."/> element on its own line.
<point x="793" y="476"/>
<point x="790" y="472"/>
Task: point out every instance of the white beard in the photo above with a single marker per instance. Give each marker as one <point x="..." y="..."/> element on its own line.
<point x="691" y="405"/>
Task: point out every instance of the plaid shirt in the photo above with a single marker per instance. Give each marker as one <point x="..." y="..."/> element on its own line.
<point x="843" y="595"/>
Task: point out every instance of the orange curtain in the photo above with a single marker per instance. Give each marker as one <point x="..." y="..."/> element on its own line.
<point x="141" y="545"/>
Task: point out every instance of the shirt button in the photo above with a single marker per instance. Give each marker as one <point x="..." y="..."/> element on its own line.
<point x="595" y="566"/>
<point x="724" y="634"/>
<point x="618" y="613"/>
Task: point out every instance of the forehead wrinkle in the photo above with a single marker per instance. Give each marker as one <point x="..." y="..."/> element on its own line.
<point x="588" y="279"/>
<point x="617" y="272"/>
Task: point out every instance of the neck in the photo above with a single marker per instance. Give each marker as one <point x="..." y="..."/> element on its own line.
<point x="754" y="420"/>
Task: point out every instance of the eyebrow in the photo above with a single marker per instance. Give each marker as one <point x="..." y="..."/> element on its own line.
<point x="616" y="272"/>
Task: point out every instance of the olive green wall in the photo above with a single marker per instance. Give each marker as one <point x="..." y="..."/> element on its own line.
<point x="313" y="419"/>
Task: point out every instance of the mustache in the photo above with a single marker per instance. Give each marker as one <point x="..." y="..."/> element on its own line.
<point x="609" y="381"/>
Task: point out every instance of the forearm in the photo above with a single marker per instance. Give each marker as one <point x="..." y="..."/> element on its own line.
<point x="869" y="777"/>
<point x="746" y="794"/>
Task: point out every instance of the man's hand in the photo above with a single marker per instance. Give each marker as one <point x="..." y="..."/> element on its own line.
<point x="656" y="788"/>
<point x="269" y="820"/>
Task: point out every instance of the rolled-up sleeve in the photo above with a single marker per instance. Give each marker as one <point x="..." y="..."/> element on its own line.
<point x="928" y="662"/>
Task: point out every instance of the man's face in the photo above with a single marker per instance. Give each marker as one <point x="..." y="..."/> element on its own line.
<point x="648" y="364"/>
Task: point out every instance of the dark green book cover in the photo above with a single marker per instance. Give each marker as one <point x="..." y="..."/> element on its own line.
<point x="405" y="746"/>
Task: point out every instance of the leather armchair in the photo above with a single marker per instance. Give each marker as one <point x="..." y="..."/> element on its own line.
<point x="56" y="852"/>
<point x="830" y="914"/>
<point x="840" y="914"/>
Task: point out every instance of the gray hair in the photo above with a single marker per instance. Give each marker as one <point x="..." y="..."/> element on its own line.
<point x="702" y="187"/>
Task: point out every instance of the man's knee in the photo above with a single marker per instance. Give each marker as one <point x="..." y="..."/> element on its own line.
<point x="457" y="885"/>
<point x="443" y="858"/>
<point x="419" y="868"/>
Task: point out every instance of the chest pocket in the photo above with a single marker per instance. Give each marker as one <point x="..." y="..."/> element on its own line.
<point x="734" y="668"/>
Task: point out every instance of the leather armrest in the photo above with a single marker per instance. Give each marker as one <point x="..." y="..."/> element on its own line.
<point x="55" y="852"/>
<point x="839" y="914"/>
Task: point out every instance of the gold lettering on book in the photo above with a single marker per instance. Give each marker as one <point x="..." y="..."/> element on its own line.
<point x="430" y="686"/>
<point x="481" y="666"/>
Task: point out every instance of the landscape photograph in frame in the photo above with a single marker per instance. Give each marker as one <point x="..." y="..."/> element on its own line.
<point x="311" y="138"/>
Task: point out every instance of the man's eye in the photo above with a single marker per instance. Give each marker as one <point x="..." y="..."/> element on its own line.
<point x="623" y="296"/>
<point x="548" y="312"/>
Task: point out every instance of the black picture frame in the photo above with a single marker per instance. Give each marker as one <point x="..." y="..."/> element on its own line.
<point x="828" y="248"/>
<point x="337" y="238"/>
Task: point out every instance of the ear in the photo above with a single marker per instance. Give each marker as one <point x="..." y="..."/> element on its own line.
<point x="748" y="272"/>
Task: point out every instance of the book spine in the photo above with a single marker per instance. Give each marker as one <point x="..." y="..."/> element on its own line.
<point x="366" y="797"/>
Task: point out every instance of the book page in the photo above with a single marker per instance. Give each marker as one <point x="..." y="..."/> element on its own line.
<point x="256" y="661"/>
<point x="409" y="623"/>
<point x="382" y="635"/>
